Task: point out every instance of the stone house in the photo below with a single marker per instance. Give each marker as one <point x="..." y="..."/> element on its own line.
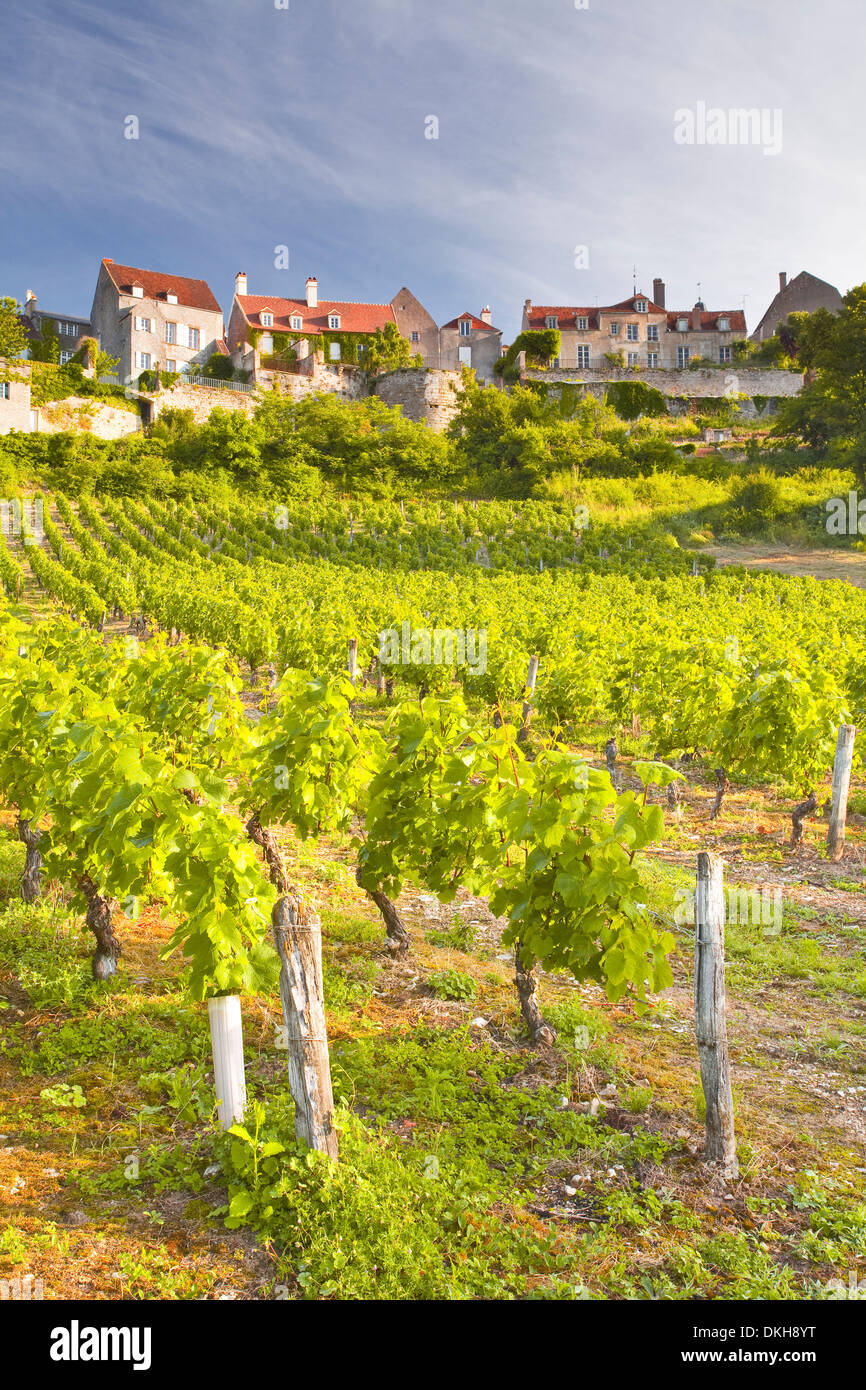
<point x="803" y="295"/>
<point x="15" y="411"/>
<point x="150" y="319"/>
<point x="471" y="341"/>
<point x="643" y="330"/>
<point x="256" y="322"/>
<point x="71" y="329"/>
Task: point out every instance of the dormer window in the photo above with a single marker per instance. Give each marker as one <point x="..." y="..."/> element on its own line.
<point x="682" y="325"/>
<point x="724" y="325"/>
<point x="333" y="320"/>
<point x="170" y="298"/>
<point x="267" y="319"/>
<point x="551" y="321"/>
<point x="582" y="322"/>
<point x="465" y="328"/>
<point x="297" y="321"/>
<point x="137" y="291"/>
<point x="640" y="306"/>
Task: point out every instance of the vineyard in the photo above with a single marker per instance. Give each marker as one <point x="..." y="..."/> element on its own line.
<point x="379" y="824"/>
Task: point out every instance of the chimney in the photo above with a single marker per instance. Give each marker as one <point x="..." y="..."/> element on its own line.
<point x="486" y="315"/>
<point x="659" y="293"/>
<point x="783" y="279"/>
<point x="30" y="304"/>
<point x="312" y="292"/>
<point x="696" y="317"/>
<point x="527" y="305"/>
<point x="241" y="282"/>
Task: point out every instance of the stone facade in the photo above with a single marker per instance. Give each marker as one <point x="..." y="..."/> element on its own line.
<point x="803" y="295"/>
<point x="15" y="412"/>
<point x="470" y="340"/>
<point x="417" y="326"/>
<point x="649" y="335"/>
<point x="71" y="329"/>
<point x="146" y="319"/>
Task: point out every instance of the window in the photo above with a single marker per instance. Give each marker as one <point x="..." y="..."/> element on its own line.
<point x="682" y="325"/>
<point x="551" y="321"/>
<point x="724" y="354"/>
<point x="582" y="323"/>
<point x="138" y="292"/>
<point x="724" y="325"/>
<point x="583" y="354"/>
<point x="652" y="332"/>
<point x="614" y="330"/>
<point x="632" y="359"/>
<point x="5" y="392"/>
<point x="333" y="320"/>
<point x="465" y="328"/>
<point x="297" y="321"/>
<point x="416" y="336"/>
<point x="652" y="359"/>
<point x="464" y="356"/>
<point x="189" y="337"/>
<point x="632" y="332"/>
<point x="640" y="306"/>
<point x="171" y="332"/>
<point x="682" y="356"/>
<point x="170" y="364"/>
<point x="335" y="352"/>
<point x="142" y="325"/>
<point x="143" y="360"/>
<point x="170" y="298"/>
<point x="267" y="319"/>
<point x="66" y="354"/>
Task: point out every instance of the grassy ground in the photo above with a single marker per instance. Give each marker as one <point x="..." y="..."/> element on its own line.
<point x="472" y="1166"/>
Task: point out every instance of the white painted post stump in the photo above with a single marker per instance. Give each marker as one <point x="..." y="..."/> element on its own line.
<point x="711" y="1028"/>
<point x="839" y="794"/>
<point x="227" y="1043"/>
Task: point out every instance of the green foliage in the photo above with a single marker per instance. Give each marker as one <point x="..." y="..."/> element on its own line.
<point x="540" y="347"/>
<point x="452" y="984"/>
<point x="388" y="351"/>
<point x="47" y="348"/>
<point x="632" y="399"/>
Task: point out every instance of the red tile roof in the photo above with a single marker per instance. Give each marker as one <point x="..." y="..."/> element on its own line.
<point x="193" y="294"/>
<point x="354" y="318"/>
<point x="709" y="319"/>
<point x="476" y="323"/>
<point x="567" y="314"/>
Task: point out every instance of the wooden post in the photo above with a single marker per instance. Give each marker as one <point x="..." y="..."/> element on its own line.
<point x="298" y="938"/>
<point x="227" y="1045"/>
<point x="839" y="795"/>
<point x="710" y="1023"/>
<point x="353" y="660"/>
<point x="529" y="691"/>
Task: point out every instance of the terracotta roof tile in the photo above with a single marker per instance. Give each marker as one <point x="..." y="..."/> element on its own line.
<point x="354" y="318"/>
<point x="193" y="294"/>
<point x="476" y="323"/>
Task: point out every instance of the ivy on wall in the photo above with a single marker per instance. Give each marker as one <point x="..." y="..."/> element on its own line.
<point x="631" y="399"/>
<point x="540" y="346"/>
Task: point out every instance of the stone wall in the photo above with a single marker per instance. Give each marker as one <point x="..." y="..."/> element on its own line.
<point x="423" y="395"/>
<point x="681" y="387"/>
<point x="201" y="400"/>
<point x="85" y="415"/>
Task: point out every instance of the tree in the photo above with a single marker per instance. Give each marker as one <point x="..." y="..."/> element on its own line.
<point x="13" y="336"/>
<point x="218" y="367"/>
<point x="387" y="351"/>
<point x="830" y="413"/>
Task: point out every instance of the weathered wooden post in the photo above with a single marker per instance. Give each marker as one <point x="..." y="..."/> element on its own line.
<point x="298" y="938"/>
<point x="710" y="1023"/>
<point x="353" y="660"/>
<point x="839" y="794"/>
<point x="529" y="691"/>
<point x="227" y="1045"/>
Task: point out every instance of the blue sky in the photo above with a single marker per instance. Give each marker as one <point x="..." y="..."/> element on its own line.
<point x="305" y="127"/>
